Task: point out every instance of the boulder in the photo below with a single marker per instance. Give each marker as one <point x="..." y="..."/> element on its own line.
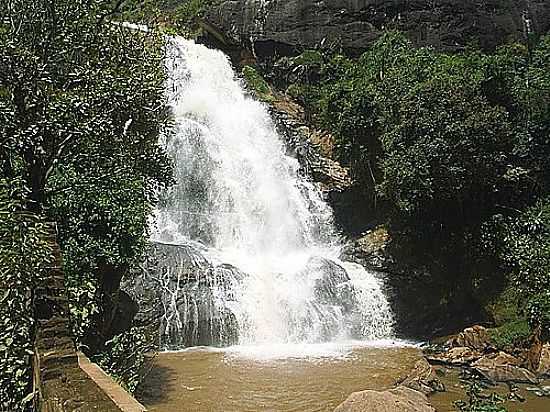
<point x="400" y="399"/>
<point x="423" y="378"/>
<point x="507" y="373"/>
<point x="186" y="298"/>
<point x="332" y="283"/>
<point x="497" y="359"/>
<point x="477" y="338"/>
<point x="460" y="356"/>
<point x="503" y="367"/>
<point x="543" y="369"/>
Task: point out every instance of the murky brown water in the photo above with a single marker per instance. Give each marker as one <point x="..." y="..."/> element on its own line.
<point x="285" y="379"/>
<point x="274" y="380"/>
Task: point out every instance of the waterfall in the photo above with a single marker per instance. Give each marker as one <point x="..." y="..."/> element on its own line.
<point x="246" y="250"/>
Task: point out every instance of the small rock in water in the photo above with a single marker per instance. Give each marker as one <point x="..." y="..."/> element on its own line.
<point x="423" y="378"/>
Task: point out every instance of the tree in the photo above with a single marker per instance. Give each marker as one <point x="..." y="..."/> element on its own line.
<point x="81" y="109"/>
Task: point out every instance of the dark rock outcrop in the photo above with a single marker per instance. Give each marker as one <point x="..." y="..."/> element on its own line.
<point x="185" y="298"/>
<point x="417" y="289"/>
<point x="278" y="27"/>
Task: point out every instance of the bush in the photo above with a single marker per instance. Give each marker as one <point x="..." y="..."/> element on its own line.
<point x="526" y="249"/>
<point x="511" y="335"/>
<point x="124" y="357"/>
<point x="24" y="252"/>
<point x="256" y="83"/>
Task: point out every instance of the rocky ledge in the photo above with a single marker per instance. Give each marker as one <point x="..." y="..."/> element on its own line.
<point x="473" y="350"/>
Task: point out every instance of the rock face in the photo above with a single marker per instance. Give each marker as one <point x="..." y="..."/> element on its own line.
<point x="278" y="26"/>
<point x="400" y="399"/>
<point x="185" y="298"/>
<point x="304" y="143"/>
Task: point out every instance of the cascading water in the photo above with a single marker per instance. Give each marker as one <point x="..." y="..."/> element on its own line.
<point x="246" y="249"/>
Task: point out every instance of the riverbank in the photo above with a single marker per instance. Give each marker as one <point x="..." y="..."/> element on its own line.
<point x="310" y="378"/>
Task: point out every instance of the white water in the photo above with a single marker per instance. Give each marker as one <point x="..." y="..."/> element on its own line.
<point x="242" y="201"/>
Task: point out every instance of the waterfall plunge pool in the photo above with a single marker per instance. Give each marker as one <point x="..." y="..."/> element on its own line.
<point x="281" y="378"/>
<point x="295" y="378"/>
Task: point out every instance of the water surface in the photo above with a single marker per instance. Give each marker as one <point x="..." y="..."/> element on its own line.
<point x="285" y="378"/>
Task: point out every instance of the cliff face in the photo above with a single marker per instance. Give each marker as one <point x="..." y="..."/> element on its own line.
<point x="277" y="26"/>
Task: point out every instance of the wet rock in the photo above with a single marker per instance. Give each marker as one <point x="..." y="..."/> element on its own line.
<point x="423" y="378"/>
<point x="503" y="367"/>
<point x="186" y="298"/>
<point x="460" y="356"/>
<point x="543" y="369"/>
<point x="400" y="399"/>
<point x="497" y="359"/>
<point x="477" y="338"/>
<point x="332" y="285"/>
<point x="308" y="145"/>
<point x="334" y="305"/>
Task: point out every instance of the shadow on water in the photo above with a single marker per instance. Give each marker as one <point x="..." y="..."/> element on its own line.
<point x="159" y="379"/>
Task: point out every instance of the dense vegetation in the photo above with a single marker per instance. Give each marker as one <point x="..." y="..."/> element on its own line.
<point x="81" y="105"/>
<point x="172" y="16"/>
<point x="454" y="148"/>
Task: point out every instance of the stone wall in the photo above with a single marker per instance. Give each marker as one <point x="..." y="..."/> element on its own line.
<point x="60" y="383"/>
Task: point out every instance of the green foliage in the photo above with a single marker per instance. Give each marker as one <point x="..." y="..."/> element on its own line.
<point x="256" y="83"/>
<point x="125" y="357"/>
<point x="505" y="307"/>
<point x="24" y="251"/>
<point x="174" y="17"/>
<point x="510" y="335"/>
<point x="450" y="145"/>
<point x="479" y="402"/>
<point x="527" y="250"/>
<point x="81" y="107"/>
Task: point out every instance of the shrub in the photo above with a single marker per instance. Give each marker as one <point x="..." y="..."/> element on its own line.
<point x="24" y="252"/>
